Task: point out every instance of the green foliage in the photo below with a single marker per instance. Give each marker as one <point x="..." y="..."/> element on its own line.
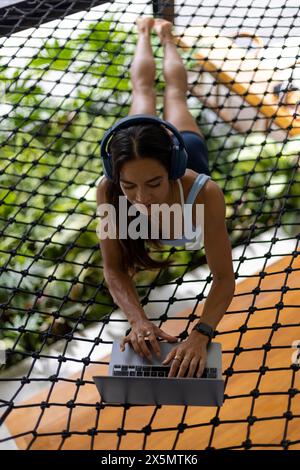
<point x="260" y="183"/>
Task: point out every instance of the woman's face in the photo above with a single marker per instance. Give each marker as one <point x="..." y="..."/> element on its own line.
<point x="145" y="181"/>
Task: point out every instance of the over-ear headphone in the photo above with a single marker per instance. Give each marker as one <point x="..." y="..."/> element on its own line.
<point x="179" y="155"/>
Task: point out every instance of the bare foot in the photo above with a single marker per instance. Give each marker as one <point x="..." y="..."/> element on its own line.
<point x="163" y="28"/>
<point x="144" y="24"/>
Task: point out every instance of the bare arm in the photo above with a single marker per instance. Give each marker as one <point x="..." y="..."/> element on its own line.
<point x="124" y="293"/>
<point x="218" y="254"/>
<point x="193" y="352"/>
<point x="117" y="277"/>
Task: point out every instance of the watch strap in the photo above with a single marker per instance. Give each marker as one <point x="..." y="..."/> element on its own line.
<point x="205" y="330"/>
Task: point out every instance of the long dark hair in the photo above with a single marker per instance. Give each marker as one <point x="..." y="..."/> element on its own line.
<point x="135" y="142"/>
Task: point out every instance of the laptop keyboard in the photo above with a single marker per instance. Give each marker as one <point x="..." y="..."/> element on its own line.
<point x="155" y="371"/>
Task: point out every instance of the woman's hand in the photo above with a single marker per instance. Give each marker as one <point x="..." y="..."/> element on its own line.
<point x="144" y="333"/>
<point x="188" y="356"/>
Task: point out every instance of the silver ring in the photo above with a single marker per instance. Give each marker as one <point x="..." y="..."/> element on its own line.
<point x="177" y="358"/>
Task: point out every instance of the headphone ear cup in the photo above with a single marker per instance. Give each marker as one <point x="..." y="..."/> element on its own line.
<point x="178" y="162"/>
<point x="174" y="162"/>
<point x="183" y="161"/>
<point x="107" y="167"/>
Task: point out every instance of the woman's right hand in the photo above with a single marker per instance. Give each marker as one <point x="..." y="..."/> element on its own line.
<point x="144" y="333"/>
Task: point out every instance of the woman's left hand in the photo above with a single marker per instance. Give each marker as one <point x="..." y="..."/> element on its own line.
<point x="189" y="356"/>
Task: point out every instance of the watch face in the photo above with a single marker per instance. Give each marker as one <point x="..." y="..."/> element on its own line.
<point x="206" y="330"/>
<point x="202" y="330"/>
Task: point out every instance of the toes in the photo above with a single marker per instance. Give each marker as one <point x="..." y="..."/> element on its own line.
<point x="162" y="26"/>
<point x="145" y="21"/>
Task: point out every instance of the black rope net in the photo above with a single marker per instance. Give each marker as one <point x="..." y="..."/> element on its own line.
<point x="64" y="81"/>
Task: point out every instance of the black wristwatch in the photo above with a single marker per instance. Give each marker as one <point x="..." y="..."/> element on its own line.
<point x="205" y="330"/>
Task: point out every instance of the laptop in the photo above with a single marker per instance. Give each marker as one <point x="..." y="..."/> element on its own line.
<point x="135" y="380"/>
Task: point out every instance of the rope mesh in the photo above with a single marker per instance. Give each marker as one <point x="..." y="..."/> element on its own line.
<point x="65" y="83"/>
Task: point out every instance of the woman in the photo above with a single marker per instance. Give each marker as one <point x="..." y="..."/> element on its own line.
<point x="140" y="157"/>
